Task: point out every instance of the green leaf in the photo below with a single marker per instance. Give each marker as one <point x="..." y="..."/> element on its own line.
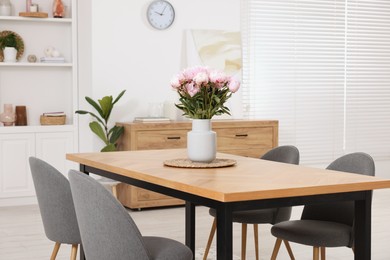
<point x="81" y="112"/>
<point x="106" y="105"/>
<point x="95" y="105"/>
<point x="109" y="148"/>
<point x="116" y="131"/>
<point x="98" y="130"/>
<point x="92" y="114"/>
<point x="119" y="97"/>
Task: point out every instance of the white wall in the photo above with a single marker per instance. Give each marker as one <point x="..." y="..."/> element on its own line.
<point x="127" y="53"/>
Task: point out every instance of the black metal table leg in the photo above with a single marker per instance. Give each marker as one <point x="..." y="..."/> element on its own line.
<point x="224" y="232"/>
<point x="190" y="226"/>
<point x="363" y="227"/>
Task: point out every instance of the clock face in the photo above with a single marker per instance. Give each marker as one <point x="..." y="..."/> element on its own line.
<point x="160" y="14"/>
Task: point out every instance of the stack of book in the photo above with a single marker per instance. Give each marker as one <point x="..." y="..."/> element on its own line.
<point x="53" y="59"/>
<point x="151" y="119"/>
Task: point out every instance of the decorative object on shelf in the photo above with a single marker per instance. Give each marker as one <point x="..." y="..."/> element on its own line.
<point x="8" y="116"/>
<point x="34" y="14"/>
<point x="53" y="118"/>
<point x="21" y="116"/>
<point x="32" y="58"/>
<point x="186" y="163"/>
<point x="202" y="95"/>
<point x="104" y="107"/>
<point x="5" y="8"/>
<point x="13" y="40"/>
<point x="52" y="55"/>
<point x="34" y="8"/>
<point x="58" y="9"/>
<point x="28" y="5"/>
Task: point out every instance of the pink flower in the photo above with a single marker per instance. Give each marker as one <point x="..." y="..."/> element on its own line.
<point x="218" y="77"/>
<point x="234" y="85"/>
<point x="201" y="78"/>
<point x="175" y="83"/>
<point x="197" y="86"/>
<point x="192" y="89"/>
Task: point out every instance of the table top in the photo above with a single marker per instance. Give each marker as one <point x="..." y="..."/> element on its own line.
<point x="249" y="179"/>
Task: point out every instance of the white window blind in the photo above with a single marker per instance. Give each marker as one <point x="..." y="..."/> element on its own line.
<point x="322" y="68"/>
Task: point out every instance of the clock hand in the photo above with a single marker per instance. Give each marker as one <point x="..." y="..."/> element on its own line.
<point x="163" y="10"/>
<point x="158" y="13"/>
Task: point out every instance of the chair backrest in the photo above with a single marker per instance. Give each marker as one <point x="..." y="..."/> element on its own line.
<point x="284" y="154"/>
<point x="107" y="230"/>
<point x="55" y="203"/>
<point x="341" y="212"/>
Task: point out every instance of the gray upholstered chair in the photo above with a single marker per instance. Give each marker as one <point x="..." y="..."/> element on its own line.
<point x="56" y="206"/>
<point x="326" y="225"/>
<point x="108" y="231"/>
<point x="284" y="154"/>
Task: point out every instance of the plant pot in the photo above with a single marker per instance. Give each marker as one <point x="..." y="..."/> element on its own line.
<point x="9" y="54"/>
<point x="201" y="141"/>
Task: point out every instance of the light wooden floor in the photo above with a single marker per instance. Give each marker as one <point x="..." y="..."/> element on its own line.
<point x="22" y="236"/>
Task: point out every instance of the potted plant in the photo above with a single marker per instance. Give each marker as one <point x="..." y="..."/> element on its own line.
<point x="99" y="126"/>
<point x="202" y="95"/>
<point x="9" y="45"/>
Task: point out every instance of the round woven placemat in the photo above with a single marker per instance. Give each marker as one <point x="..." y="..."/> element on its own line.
<point x="186" y="163"/>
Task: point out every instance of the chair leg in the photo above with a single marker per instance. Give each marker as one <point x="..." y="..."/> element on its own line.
<point x="114" y="191"/>
<point x="322" y="253"/>
<point x="243" y="240"/>
<point x="278" y="242"/>
<point x="55" y="251"/>
<point x="316" y="253"/>
<point x="211" y="236"/>
<point x="256" y="234"/>
<point x="288" y="247"/>
<point x="74" y="252"/>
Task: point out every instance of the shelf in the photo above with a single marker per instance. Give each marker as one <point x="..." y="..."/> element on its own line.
<point x="36" y="129"/>
<point x="33" y="19"/>
<point x="38" y="64"/>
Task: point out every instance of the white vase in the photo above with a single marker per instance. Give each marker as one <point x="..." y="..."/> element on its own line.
<point x="9" y="54"/>
<point x="5" y="8"/>
<point x="201" y="141"/>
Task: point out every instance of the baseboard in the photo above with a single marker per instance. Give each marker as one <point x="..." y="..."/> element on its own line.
<point x="22" y="201"/>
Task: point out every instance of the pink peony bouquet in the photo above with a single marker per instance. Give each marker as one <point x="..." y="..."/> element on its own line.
<point x="203" y="92"/>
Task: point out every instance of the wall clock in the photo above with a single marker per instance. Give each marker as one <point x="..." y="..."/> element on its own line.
<point x="160" y="14"/>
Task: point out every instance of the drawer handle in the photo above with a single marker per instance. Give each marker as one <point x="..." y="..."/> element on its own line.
<point x="241" y="135"/>
<point x="173" y="137"/>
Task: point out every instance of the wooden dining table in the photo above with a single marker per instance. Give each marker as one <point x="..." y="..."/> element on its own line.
<point x="248" y="184"/>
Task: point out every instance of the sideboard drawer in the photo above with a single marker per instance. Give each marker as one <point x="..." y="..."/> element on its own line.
<point x="163" y="139"/>
<point x="245" y="138"/>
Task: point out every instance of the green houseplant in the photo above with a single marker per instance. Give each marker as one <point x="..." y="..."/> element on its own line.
<point x="99" y="126"/>
<point x="9" y="46"/>
<point x="8" y="40"/>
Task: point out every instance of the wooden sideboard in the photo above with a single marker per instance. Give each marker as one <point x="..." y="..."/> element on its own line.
<point x="250" y="138"/>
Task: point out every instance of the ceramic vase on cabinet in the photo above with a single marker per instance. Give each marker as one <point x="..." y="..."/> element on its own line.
<point x="201" y="141"/>
<point x="8" y="116"/>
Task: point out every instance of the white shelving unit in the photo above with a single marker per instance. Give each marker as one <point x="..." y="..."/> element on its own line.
<point x="41" y="87"/>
